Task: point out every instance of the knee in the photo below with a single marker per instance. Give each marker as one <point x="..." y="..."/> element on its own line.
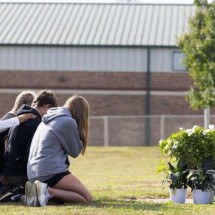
<point x="89" y="198"/>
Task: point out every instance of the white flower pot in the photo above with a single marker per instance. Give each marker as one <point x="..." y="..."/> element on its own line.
<point x="201" y="197"/>
<point x="178" y="195"/>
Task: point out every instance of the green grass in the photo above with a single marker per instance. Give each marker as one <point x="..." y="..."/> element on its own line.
<point x="120" y="179"/>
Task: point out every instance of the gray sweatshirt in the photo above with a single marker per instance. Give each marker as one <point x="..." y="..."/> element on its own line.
<point x="56" y="137"/>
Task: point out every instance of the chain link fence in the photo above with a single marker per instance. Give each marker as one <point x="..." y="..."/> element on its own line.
<point x="139" y="130"/>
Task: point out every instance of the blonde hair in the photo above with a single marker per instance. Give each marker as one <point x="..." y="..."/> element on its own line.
<point x="79" y="108"/>
<point x="25" y="97"/>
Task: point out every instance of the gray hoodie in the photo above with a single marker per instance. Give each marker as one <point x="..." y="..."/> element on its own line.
<point x="55" y="138"/>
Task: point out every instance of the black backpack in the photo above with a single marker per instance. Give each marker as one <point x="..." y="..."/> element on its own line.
<point x="11" y="194"/>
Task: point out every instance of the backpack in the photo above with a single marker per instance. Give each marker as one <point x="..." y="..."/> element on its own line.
<point x="11" y="194"/>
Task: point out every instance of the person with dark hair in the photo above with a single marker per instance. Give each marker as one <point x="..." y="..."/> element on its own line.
<point x="20" y="137"/>
<point x="63" y="132"/>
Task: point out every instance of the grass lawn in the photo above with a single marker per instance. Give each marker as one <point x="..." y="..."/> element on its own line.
<point x="120" y="179"/>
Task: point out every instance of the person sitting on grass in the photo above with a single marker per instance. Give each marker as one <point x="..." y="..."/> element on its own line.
<point x="25" y="97"/>
<point x="63" y="132"/>
<point x="4" y="125"/>
<point x="19" y="141"/>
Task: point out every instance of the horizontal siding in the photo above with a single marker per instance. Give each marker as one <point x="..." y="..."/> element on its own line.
<point x="162" y="60"/>
<point x="73" y="59"/>
<point x="85" y="59"/>
<point x="92" y="24"/>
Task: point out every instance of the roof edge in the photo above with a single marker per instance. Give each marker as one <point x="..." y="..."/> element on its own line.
<point x="94" y="3"/>
<point x="88" y="46"/>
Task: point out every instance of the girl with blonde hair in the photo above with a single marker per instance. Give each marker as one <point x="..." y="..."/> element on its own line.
<point x="63" y="132"/>
<point x="25" y="97"/>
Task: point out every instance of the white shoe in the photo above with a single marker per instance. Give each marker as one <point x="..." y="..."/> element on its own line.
<point x="23" y="199"/>
<point x="29" y="193"/>
<point x="42" y="195"/>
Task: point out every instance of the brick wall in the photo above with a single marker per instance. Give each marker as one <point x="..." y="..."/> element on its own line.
<point x="103" y="104"/>
<point x="93" y="80"/>
<point x="167" y="98"/>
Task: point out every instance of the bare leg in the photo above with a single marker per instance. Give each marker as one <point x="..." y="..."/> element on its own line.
<point x="66" y="195"/>
<point x="70" y="189"/>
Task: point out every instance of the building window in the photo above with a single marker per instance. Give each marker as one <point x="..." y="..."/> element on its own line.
<point x="178" y="61"/>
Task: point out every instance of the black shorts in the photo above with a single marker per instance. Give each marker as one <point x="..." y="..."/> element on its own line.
<point x="55" y="179"/>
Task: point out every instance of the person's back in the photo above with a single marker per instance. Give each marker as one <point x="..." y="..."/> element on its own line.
<point x="25" y="97"/>
<point x="3" y="136"/>
<point x="19" y="141"/>
<point x="60" y="128"/>
<point x="63" y="132"/>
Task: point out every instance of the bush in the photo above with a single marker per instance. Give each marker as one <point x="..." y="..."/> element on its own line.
<point x="191" y="145"/>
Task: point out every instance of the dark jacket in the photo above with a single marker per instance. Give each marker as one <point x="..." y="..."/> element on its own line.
<point x="3" y="137"/>
<point x="19" y="142"/>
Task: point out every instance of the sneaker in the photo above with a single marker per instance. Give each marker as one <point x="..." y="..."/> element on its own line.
<point x="42" y="194"/>
<point x="29" y="193"/>
<point x="23" y="199"/>
<point x="17" y="197"/>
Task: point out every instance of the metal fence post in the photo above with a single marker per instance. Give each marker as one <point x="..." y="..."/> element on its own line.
<point x="162" y="131"/>
<point x="106" y="131"/>
<point x="206" y="117"/>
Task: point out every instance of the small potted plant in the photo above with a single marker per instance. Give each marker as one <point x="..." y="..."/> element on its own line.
<point x="202" y="182"/>
<point x="191" y="145"/>
<point x="176" y="177"/>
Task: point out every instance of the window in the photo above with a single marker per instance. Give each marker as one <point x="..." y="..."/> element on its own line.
<point x="178" y="61"/>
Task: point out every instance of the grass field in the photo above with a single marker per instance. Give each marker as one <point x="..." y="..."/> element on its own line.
<point x="120" y="179"/>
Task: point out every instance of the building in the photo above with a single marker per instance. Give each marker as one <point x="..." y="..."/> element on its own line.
<point x="122" y="57"/>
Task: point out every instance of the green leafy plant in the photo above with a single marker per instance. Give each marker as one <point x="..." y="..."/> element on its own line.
<point x="176" y="176"/>
<point x="197" y="43"/>
<point x="190" y="145"/>
<point x="203" y="179"/>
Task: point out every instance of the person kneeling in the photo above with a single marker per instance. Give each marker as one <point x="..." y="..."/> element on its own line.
<point x="63" y="132"/>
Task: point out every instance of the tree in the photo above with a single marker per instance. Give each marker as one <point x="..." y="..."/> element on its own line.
<point x="198" y="45"/>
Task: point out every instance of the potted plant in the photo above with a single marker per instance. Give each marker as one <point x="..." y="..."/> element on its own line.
<point x="191" y="145"/>
<point x="176" y="177"/>
<point x="202" y="182"/>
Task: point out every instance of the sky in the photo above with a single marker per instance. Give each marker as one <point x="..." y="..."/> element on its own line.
<point x="110" y="1"/>
<point x="105" y="1"/>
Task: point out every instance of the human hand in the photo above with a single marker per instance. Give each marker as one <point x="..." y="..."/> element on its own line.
<point x="3" y="180"/>
<point x="25" y="117"/>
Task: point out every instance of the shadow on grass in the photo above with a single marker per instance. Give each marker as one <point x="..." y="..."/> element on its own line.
<point x="116" y="204"/>
<point x="129" y="205"/>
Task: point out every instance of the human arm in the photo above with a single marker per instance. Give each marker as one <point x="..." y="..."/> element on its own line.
<point x="70" y="139"/>
<point x="24" y="117"/>
<point x="5" y="124"/>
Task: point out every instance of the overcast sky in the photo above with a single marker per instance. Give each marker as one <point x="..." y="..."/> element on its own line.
<point x="104" y="1"/>
<point x="110" y="1"/>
